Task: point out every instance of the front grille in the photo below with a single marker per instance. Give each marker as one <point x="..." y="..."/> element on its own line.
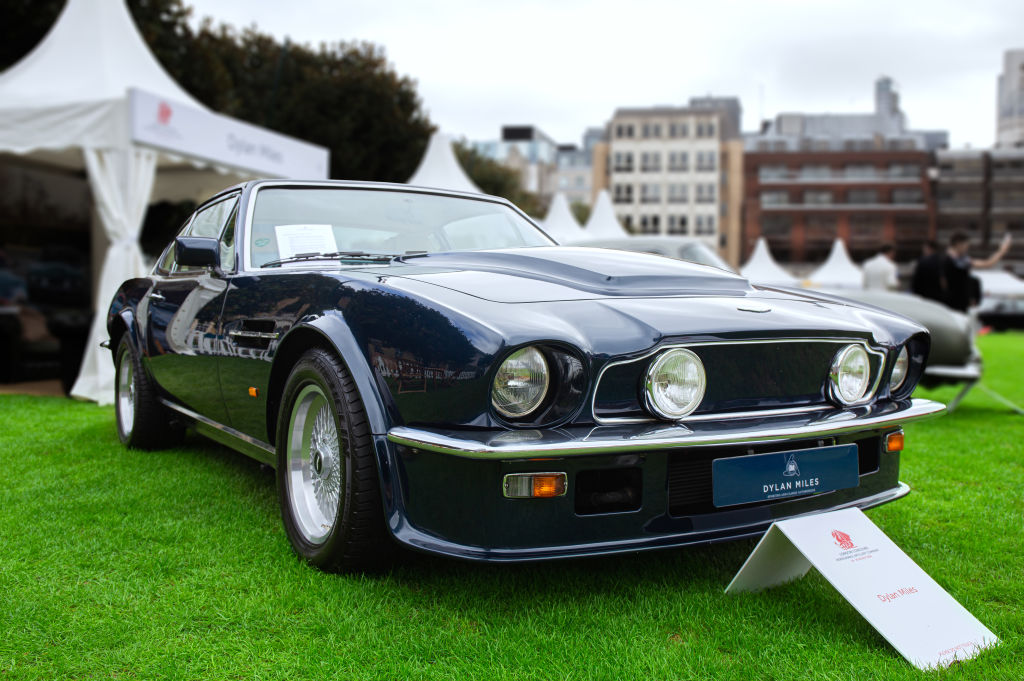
<point x="741" y="377"/>
<point x="689" y="472"/>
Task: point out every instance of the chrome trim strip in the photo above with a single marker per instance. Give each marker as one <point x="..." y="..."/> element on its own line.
<point x="614" y="440"/>
<point x="254" y="334"/>
<point x="229" y="437"/>
<point x="708" y="417"/>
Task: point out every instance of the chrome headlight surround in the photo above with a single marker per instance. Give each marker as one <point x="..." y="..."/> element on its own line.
<point x="849" y="377"/>
<point x="521" y="383"/>
<point x="674" y="370"/>
<point x="900" y="369"/>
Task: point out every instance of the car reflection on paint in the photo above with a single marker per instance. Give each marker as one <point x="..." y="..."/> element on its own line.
<point x="427" y="369"/>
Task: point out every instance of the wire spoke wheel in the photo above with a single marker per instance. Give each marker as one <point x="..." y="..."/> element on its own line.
<point x="126" y="392"/>
<point x="315" y="470"/>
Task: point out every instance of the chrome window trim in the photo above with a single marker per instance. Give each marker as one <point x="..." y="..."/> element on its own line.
<point x="746" y="414"/>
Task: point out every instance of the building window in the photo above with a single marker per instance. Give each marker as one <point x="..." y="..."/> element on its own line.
<point x="627" y="222"/>
<point x="650" y="224"/>
<point x="678" y="193"/>
<point x="776" y="226"/>
<point x="678" y="161"/>
<point x="817" y="198"/>
<point x="623" y="131"/>
<point x="705" y="224"/>
<point x="860" y="171"/>
<point x="676" y="130"/>
<point x="815" y="172"/>
<point x="677" y="224"/>
<point x="705" y="193"/>
<point x="905" y="196"/>
<point x="622" y="193"/>
<point x="645" y="131"/>
<point x="777" y="198"/>
<point x="650" y="162"/>
<point x="772" y="173"/>
<point x="622" y="162"/>
<point x="650" y="193"/>
<point x="706" y="160"/>
<point x="905" y="170"/>
<point x="862" y="196"/>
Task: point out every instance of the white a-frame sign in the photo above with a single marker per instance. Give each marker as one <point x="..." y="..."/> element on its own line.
<point x="924" y="623"/>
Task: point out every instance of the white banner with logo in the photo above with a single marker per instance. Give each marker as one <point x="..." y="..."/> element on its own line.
<point x="195" y="133"/>
<point x="917" y="616"/>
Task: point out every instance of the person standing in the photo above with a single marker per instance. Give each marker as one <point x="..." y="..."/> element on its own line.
<point x="929" y="280"/>
<point x="880" y="270"/>
<point x="962" y="289"/>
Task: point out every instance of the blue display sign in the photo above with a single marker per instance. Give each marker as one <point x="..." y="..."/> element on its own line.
<point x="762" y="477"/>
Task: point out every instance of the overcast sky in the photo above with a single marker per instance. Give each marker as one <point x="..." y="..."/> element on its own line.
<point x="563" y="65"/>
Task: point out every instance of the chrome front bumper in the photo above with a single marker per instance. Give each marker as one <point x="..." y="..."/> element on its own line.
<point x="569" y="441"/>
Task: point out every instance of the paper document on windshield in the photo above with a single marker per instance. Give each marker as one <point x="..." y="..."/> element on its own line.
<point x="297" y="239"/>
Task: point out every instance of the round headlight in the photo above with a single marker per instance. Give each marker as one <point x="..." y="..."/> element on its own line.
<point x="675" y="384"/>
<point x="850" y="374"/>
<point x="521" y="383"/>
<point x="899" y="369"/>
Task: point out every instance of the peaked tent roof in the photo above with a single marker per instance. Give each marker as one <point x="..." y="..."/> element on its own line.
<point x="838" y="270"/>
<point x="602" y="223"/>
<point x="560" y="223"/>
<point x="439" y="168"/>
<point x="762" y="268"/>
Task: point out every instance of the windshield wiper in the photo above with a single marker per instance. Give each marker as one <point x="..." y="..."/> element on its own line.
<point x="337" y="255"/>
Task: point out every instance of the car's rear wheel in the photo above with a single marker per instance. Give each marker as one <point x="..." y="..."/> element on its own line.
<point x="327" y="480"/>
<point x="142" y="422"/>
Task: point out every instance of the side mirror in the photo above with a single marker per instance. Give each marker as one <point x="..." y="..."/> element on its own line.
<point x="197" y="251"/>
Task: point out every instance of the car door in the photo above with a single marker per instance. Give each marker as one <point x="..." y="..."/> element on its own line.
<point x="183" y="317"/>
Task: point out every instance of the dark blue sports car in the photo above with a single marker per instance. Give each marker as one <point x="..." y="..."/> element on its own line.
<point x="429" y="369"/>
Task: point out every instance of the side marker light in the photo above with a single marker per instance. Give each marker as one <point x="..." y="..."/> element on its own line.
<point x="534" y="485"/>
<point x="894" y="441"/>
<point x="254" y="391"/>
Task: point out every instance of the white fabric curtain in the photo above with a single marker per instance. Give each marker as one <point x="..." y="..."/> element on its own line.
<point x="121" y="180"/>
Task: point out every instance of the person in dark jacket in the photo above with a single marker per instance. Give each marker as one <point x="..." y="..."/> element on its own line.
<point x="929" y="280"/>
<point x="963" y="290"/>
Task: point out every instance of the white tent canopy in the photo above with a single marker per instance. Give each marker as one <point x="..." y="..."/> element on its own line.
<point x="762" y="268"/>
<point x="838" y="270"/>
<point x="91" y="96"/>
<point x="440" y="169"/>
<point x="560" y="223"/>
<point x="602" y="223"/>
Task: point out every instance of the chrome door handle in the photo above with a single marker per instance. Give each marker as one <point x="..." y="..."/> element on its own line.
<point x="156" y="296"/>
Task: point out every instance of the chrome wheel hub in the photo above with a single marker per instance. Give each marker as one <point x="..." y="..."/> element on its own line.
<point x="126" y="393"/>
<point x="314" y="475"/>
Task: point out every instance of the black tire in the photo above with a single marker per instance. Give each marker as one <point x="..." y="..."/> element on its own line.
<point x="337" y="532"/>
<point x="142" y="422"/>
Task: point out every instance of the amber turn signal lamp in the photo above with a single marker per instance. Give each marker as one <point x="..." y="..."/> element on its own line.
<point x="534" y="485"/>
<point x="894" y="441"/>
<point x="254" y="391"/>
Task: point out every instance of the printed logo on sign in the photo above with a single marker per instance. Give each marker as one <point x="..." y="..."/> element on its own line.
<point x="843" y="540"/>
<point x="163" y="113"/>
<point x="791" y="467"/>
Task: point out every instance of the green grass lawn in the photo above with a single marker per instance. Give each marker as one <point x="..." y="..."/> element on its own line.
<point x="173" y="564"/>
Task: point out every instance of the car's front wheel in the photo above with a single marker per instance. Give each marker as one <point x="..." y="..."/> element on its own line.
<point x="327" y="480"/>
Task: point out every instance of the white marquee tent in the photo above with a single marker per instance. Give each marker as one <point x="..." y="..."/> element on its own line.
<point x="838" y="270"/>
<point x="560" y="223"/>
<point x="439" y="168"/>
<point x="762" y="268"/>
<point x="92" y="97"/>
<point x="602" y="223"/>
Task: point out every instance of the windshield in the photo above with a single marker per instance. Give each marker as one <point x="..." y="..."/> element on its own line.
<point x="293" y="221"/>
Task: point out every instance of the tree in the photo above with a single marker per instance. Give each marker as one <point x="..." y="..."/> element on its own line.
<point x="494" y="178"/>
<point x="344" y="96"/>
<point x="580" y="211"/>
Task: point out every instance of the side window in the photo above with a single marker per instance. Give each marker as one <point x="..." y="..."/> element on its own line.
<point x="227" y="241"/>
<point x="211" y="222"/>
